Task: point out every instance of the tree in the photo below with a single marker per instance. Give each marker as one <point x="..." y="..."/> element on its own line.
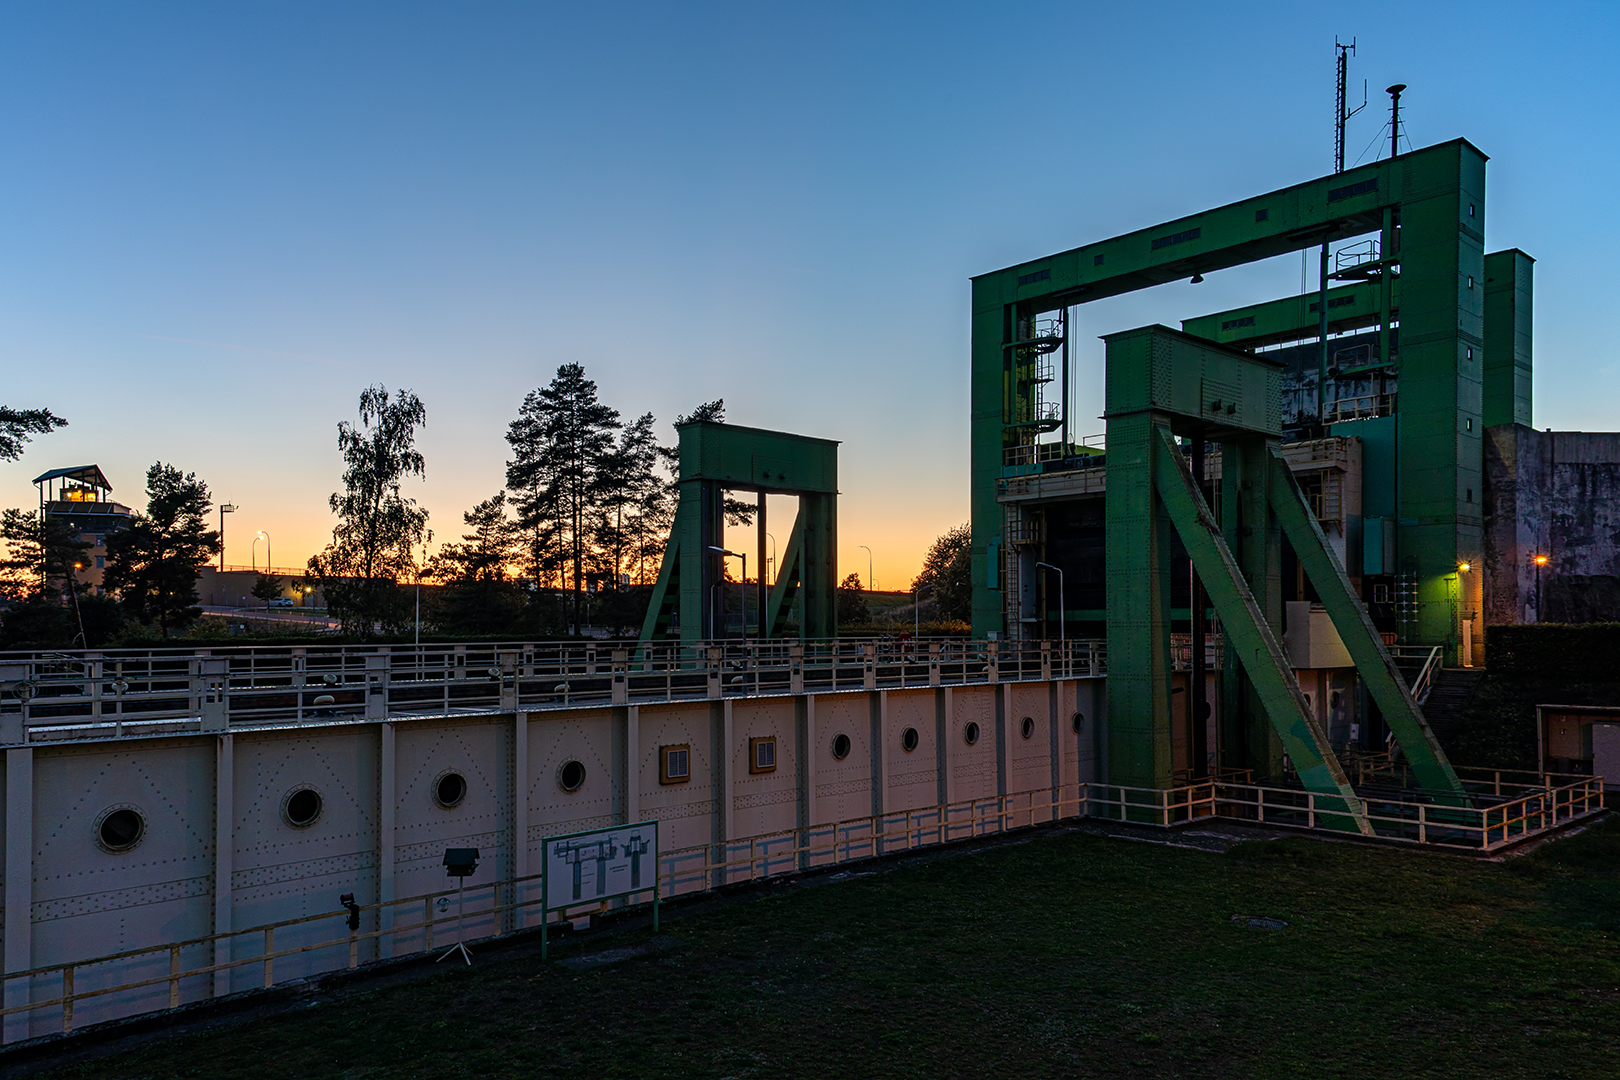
<point x="479" y="597"/>
<point x="948" y="567"/>
<point x="17" y="426"/>
<point x="379" y="529"/>
<point x="852" y="601"/>
<point x="486" y="553"/>
<point x="154" y="563"/>
<point x="42" y="554"/>
<point x="560" y="440"/>
<point x="267" y="588"/>
<point x="46" y="604"/>
<point x="630" y="489"/>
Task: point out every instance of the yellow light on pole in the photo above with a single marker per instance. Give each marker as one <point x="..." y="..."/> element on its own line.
<point x="1464" y="567"/>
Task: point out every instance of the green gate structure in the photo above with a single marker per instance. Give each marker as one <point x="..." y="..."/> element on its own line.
<point x="716" y="458"/>
<point x="1423" y="281"/>
<point x="1163" y="384"/>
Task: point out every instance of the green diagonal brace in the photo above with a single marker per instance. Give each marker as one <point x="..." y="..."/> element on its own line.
<point x="788" y="577"/>
<point x="1373" y="664"/>
<point x="1251" y="638"/>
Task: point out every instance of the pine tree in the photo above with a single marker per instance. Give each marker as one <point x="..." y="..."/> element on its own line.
<point x="17" y="426"/>
<point x="154" y="563"/>
<point x="563" y="436"/>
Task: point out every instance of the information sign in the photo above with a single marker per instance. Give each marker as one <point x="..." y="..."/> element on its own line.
<point x="599" y="864"/>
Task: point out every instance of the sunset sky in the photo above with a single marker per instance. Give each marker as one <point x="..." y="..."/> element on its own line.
<point x="218" y="222"/>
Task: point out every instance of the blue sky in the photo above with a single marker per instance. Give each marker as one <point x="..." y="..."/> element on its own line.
<point x="219" y="222"/>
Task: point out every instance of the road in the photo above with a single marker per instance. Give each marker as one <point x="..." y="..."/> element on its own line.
<point x="314" y="620"/>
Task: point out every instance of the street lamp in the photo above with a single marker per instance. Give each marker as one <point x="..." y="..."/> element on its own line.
<point x="772" y="574"/>
<point x="261" y="535"/>
<point x="721" y="584"/>
<point x="224" y="508"/>
<point x="1063" y="628"/>
<point x="868" y="565"/>
<point x="916" y="609"/>
<point x="1540" y="561"/>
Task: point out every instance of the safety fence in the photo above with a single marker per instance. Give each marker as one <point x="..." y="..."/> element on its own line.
<point x="1502" y="808"/>
<point x="48" y="696"/>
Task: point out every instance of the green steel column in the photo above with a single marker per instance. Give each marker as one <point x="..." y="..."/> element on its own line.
<point x="1441" y="357"/>
<point x="819" y="562"/>
<point x="1138" y="606"/>
<point x="1249" y="739"/>
<point x="1509" y="278"/>
<point x="988" y="390"/>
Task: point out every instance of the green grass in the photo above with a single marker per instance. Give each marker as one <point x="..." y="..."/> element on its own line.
<point x="1070" y="955"/>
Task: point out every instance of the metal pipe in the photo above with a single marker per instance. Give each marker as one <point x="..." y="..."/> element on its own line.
<point x="1063" y="626"/>
<point x="916" y="616"/>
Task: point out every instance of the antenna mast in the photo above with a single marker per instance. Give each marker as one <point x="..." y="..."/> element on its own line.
<point x="1339" y="113"/>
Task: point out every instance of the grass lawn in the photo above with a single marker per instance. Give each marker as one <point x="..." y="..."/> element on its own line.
<point x="1069" y="955"/>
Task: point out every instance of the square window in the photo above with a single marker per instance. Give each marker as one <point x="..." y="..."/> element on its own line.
<point x="675" y="763"/>
<point x="762" y="754"/>
<point x="1096" y="260"/>
<point x="1262" y="215"/>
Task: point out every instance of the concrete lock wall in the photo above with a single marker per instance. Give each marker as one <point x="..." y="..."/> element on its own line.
<point x="381" y="834"/>
<point x="1556" y="494"/>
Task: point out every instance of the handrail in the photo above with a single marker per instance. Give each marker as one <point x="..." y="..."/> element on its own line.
<point x="116" y="692"/>
<point x="1534" y="809"/>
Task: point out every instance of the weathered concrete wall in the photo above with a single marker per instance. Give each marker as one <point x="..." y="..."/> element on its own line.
<point x="1555" y="493"/>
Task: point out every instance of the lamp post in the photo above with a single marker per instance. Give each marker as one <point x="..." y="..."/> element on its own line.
<point x="868" y="565"/>
<point x="1063" y="627"/>
<point x="261" y="535"/>
<point x="916" y="609"/>
<point x="773" y="559"/>
<point x="1539" y="561"/>
<point x="721" y="584"/>
<point x="224" y="508"/>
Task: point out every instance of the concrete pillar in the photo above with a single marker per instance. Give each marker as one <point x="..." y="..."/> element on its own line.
<point x="224" y="854"/>
<point x="387" y="775"/>
<point x="520" y="810"/>
<point x="19" y="883"/>
<point x="632" y="769"/>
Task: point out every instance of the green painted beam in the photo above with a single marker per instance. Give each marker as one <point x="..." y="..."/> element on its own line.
<point x="1251" y="638"/>
<point x="1361" y="640"/>
<point x="1293" y="318"/>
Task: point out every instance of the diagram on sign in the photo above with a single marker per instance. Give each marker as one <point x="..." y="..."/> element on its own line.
<point x="602" y="864"/>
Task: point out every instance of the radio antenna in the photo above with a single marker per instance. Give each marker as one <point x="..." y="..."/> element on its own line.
<point x="1339" y="113"/>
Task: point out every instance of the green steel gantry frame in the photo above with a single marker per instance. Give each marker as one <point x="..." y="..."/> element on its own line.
<point x="1428" y="209"/>
<point x="1161" y="384"/>
<point x="716" y="458"/>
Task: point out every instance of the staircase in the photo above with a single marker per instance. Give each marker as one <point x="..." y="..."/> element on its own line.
<point x="1454" y="689"/>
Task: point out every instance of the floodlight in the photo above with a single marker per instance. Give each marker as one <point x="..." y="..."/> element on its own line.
<point x="1541" y="560"/>
<point x="460" y="862"/>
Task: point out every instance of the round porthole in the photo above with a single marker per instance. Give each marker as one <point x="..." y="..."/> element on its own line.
<point x="970" y="734"/>
<point x="840" y="746"/>
<point x="1027" y="728"/>
<point x="449" y="789"/>
<point x="1333" y="700"/>
<point x="909" y="739"/>
<point x="120" y="828"/>
<point x="301" y="808"/>
<point x="1079" y="719"/>
<point x="571" y="776"/>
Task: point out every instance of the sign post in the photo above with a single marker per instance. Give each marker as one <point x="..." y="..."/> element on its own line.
<point x="598" y="864"/>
